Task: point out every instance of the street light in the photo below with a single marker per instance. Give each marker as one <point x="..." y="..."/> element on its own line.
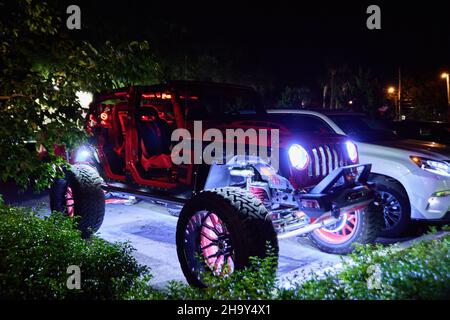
<point x="391" y="91"/>
<point x="446" y="76"/>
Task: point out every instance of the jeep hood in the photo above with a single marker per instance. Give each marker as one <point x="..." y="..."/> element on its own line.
<point x="286" y="136"/>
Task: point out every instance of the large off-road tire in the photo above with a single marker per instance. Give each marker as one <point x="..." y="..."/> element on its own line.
<point x="229" y="226"/>
<point x="396" y="207"/>
<point x="362" y="226"/>
<point x="80" y="194"/>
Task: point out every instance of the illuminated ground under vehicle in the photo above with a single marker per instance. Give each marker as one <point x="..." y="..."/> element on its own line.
<point x="227" y="212"/>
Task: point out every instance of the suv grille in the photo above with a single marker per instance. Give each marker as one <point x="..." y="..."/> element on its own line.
<point x="324" y="159"/>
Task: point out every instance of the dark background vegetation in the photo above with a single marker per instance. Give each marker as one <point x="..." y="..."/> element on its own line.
<point x="273" y="45"/>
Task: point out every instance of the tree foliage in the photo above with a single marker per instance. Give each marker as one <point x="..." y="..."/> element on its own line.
<point x="358" y="85"/>
<point x="424" y="99"/>
<point x="42" y="71"/>
<point x="293" y="97"/>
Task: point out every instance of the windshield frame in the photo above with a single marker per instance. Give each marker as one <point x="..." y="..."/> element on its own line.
<point x="194" y="88"/>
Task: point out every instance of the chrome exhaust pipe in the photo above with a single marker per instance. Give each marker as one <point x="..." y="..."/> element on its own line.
<point x="330" y="220"/>
<point x="308" y="228"/>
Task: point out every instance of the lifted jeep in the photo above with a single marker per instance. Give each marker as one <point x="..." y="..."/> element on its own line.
<point x="231" y="209"/>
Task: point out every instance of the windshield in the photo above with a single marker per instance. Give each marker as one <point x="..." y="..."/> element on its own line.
<point x="439" y="132"/>
<point x="364" y="129"/>
<point x="435" y="130"/>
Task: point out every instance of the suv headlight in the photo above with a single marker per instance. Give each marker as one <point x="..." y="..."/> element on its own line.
<point x="438" y="167"/>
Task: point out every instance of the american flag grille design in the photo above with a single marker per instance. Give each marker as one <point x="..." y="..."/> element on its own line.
<point x="324" y="159"/>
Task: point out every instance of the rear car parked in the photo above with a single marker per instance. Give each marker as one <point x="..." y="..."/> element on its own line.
<point x="436" y="131"/>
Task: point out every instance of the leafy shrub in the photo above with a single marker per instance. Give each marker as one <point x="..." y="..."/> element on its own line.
<point x="35" y="254"/>
<point x="419" y="272"/>
<point x="257" y="281"/>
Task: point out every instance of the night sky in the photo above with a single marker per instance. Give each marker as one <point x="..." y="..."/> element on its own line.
<point x="292" y="42"/>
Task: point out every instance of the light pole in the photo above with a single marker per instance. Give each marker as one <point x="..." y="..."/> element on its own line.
<point x="446" y="76"/>
<point x="391" y="93"/>
<point x="399" y="95"/>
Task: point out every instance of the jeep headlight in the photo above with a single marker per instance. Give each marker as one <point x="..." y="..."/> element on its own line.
<point x="298" y="156"/>
<point x="352" y="151"/>
<point x="435" y="166"/>
<point x="84" y="154"/>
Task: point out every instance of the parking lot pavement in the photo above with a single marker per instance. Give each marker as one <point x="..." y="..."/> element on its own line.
<point x="151" y="230"/>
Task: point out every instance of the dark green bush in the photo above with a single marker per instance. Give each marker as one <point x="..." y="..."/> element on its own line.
<point x="255" y="282"/>
<point x="419" y="272"/>
<point x="35" y="254"/>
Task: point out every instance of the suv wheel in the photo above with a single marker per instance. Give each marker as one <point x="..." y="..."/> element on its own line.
<point x="81" y="195"/>
<point x="219" y="230"/>
<point x="396" y="207"/>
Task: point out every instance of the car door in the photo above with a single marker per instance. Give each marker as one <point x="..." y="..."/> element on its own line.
<point x="150" y="141"/>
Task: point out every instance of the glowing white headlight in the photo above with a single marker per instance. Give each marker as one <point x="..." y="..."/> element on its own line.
<point x="298" y="156"/>
<point x="82" y="155"/>
<point x="352" y="151"/>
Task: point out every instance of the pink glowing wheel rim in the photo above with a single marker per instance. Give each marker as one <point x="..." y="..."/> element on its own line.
<point x="215" y="245"/>
<point x="70" y="203"/>
<point x="340" y="232"/>
<point x="208" y="244"/>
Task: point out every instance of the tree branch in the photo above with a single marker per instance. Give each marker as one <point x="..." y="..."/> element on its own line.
<point x="15" y="95"/>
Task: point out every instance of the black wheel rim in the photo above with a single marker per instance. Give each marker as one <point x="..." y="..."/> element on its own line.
<point x="208" y="245"/>
<point x="392" y="210"/>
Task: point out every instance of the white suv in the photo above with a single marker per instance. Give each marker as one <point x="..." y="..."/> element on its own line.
<point x="413" y="177"/>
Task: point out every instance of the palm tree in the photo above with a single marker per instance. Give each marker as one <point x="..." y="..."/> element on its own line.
<point x="344" y="85"/>
<point x="295" y="97"/>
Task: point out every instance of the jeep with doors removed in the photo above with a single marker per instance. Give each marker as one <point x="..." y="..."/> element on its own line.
<point x="239" y="205"/>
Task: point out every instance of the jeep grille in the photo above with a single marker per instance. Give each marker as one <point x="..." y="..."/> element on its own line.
<point x="324" y="159"/>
